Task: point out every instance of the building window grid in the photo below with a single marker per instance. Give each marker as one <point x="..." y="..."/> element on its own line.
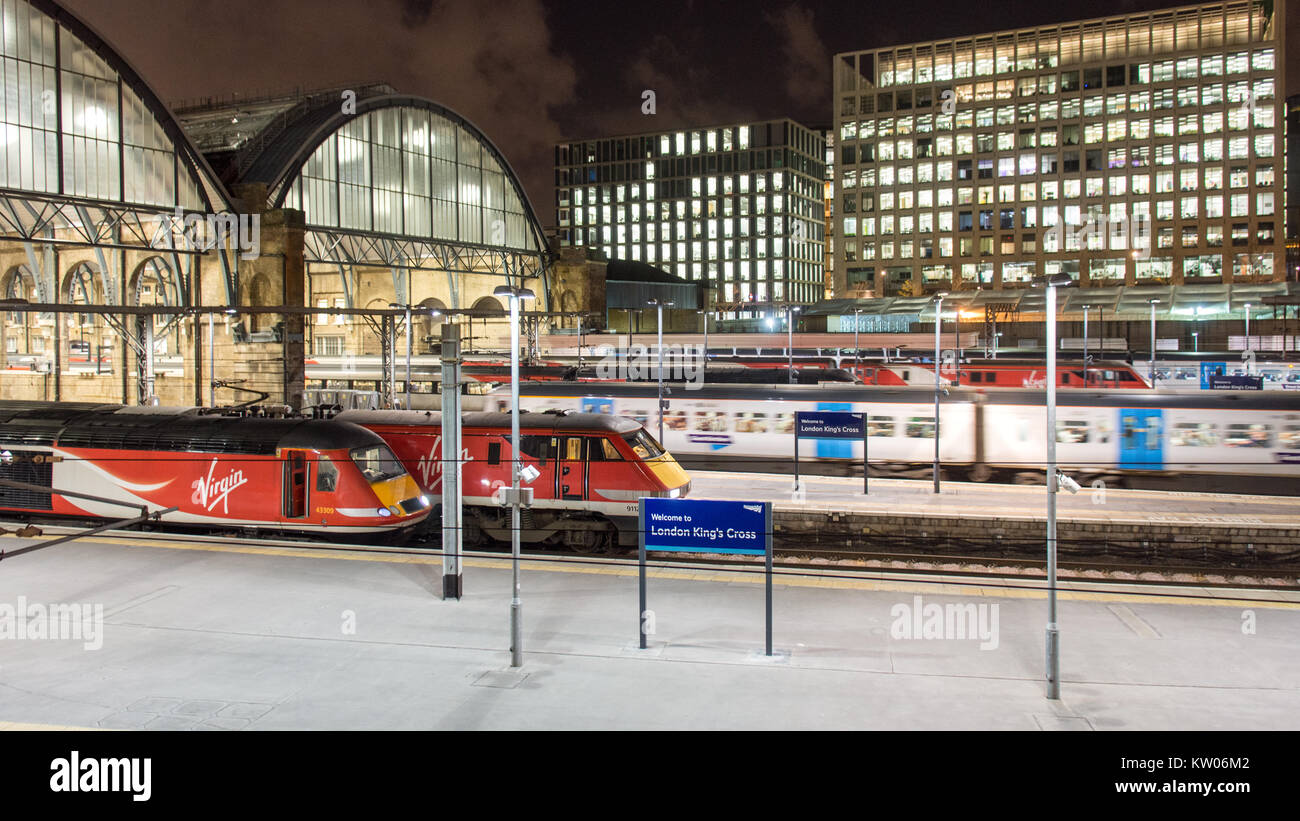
<point x="1261" y="57"/>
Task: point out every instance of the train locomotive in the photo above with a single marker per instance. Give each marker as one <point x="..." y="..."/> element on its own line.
<point x="592" y="470"/>
<point x="1237" y="441"/>
<point x="219" y="472"/>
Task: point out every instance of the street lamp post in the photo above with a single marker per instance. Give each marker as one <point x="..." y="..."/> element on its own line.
<point x="938" y="313"/>
<point x="1154" y="302"/>
<point x="659" y="326"/>
<point x="1053" y="631"/>
<point x="407" y="319"/>
<point x="516" y="604"/>
<point x="789" y="323"/>
<point x="857" y="352"/>
<point x="1196" y="343"/>
<point x="1248" y="345"/>
<point x="1085" y="345"/>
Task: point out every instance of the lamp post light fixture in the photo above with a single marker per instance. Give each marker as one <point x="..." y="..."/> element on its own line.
<point x="1154" y="302"/>
<point x="1053" y="631"/>
<point x="938" y="324"/>
<point x="789" y="324"/>
<point x="659" y="326"/>
<point x="515" y="295"/>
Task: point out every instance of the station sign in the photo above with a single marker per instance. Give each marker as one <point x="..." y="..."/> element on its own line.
<point x="706" y="526"/>
<point x="828" y="425"/>
<point x="1211" y="369"/>
<point x="1236" y="383"/>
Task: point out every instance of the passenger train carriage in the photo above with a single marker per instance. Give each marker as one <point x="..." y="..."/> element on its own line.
<point x="296" y="475"/>
<point x="592" y="469"/>
<point x="1141" y="438"/>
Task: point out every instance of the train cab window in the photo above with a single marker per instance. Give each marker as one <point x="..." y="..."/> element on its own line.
<point x="327" y="476"/>
<point x="1194" y="435"/>
<point x="494" y="453"/>
<point x="1072" y="432"/>
<point x="881" y="426"/>
<point x="920" y="427"/>
<point x="377" y="463"/>
<point x="602" y="450"/>
<point x="643" y="444"/>
<point x="1244" y="435"/>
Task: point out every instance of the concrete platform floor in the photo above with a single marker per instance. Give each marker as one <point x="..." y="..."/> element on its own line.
<point x="967" y="499"/>
<point x="268" y="637"/>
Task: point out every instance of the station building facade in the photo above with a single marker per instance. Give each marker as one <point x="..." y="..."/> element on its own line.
<point x="1145" y="149"/>
<point x="181" y="230"/>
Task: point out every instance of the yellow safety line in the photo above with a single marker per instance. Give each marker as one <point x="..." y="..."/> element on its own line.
<point x="753" y="576"/>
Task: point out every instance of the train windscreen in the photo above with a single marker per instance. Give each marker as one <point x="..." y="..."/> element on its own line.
<point x="377" y="463"/>
<point x="643" y="444"/>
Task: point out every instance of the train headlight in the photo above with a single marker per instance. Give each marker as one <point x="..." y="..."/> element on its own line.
<point x="383" y="511"/>
<point x="424" y="500"/>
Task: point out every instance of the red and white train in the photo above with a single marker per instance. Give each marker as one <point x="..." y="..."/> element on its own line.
<point x="250" y="473"/>
<point x="592" y="470"/>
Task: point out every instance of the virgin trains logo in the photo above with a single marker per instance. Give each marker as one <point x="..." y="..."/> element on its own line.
<point x="209" y="492"/>
<point x="430" y="465"/>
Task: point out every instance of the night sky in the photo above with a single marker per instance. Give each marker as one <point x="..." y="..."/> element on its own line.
<point x="530" y="73"/>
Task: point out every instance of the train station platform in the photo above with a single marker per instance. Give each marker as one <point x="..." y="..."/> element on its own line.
<point x="910" y="507"/>
<point x="245" y="636"/>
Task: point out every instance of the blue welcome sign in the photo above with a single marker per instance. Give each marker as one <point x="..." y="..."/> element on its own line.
<point x="828" y="425"/>
<point x="706" y="526"/>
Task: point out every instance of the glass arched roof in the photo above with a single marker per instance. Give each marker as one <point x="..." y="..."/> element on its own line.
<point x="77" y="121"/>
<point x="414" y="170"/>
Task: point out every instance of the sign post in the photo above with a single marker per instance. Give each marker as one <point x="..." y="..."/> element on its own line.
<point x="832" y="425"/>
<point x="704" y="526"/>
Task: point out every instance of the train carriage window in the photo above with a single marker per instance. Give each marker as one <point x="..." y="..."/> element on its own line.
<point x="494" y="453"/>
<point x="640" y="416"/>
<point x="881" y="426"/>
<point x="1072" y="431"/>
<point x="1243" y="435"/>
<point x="602" y="450"/>
<point x="784" y="422"/>
<point x="377" y="463"/>
<point x="1194" y="435"/>
<point x="752" y="423"/>
<point x="675" y="420"/>
<point x="1289" y="437"/>
<point x="711" y="421"/>
<point x="920" y="427"/>
<point x="536" y="447"/>
<point x="976" y="376"/>
<point x="327" y="475"/>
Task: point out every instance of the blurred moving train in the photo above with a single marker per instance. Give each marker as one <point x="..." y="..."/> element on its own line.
<point x="1220" y="440"/>
<point x="591" y="470"/>
<point x="295" y="475"/>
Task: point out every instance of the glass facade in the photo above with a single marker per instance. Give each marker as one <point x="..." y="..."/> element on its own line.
<point x="740" y="207"/>
<point x="72" y="126"/>
<point x="410" y="171"/>
<point x="1122" y="150"/>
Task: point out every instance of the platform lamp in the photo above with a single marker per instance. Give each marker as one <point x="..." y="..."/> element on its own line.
<point x="1196" y="343"/>
<point x="857" y="325"/>
<point x="791" y="310"/>
<point x="514" y="296"/>
<point x="1053" y="485"/>
<point x="407" y="319"/>
<point x="938" y="326"/>
<point x="659" y="327"/>
<point x="1248" y="345"/>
